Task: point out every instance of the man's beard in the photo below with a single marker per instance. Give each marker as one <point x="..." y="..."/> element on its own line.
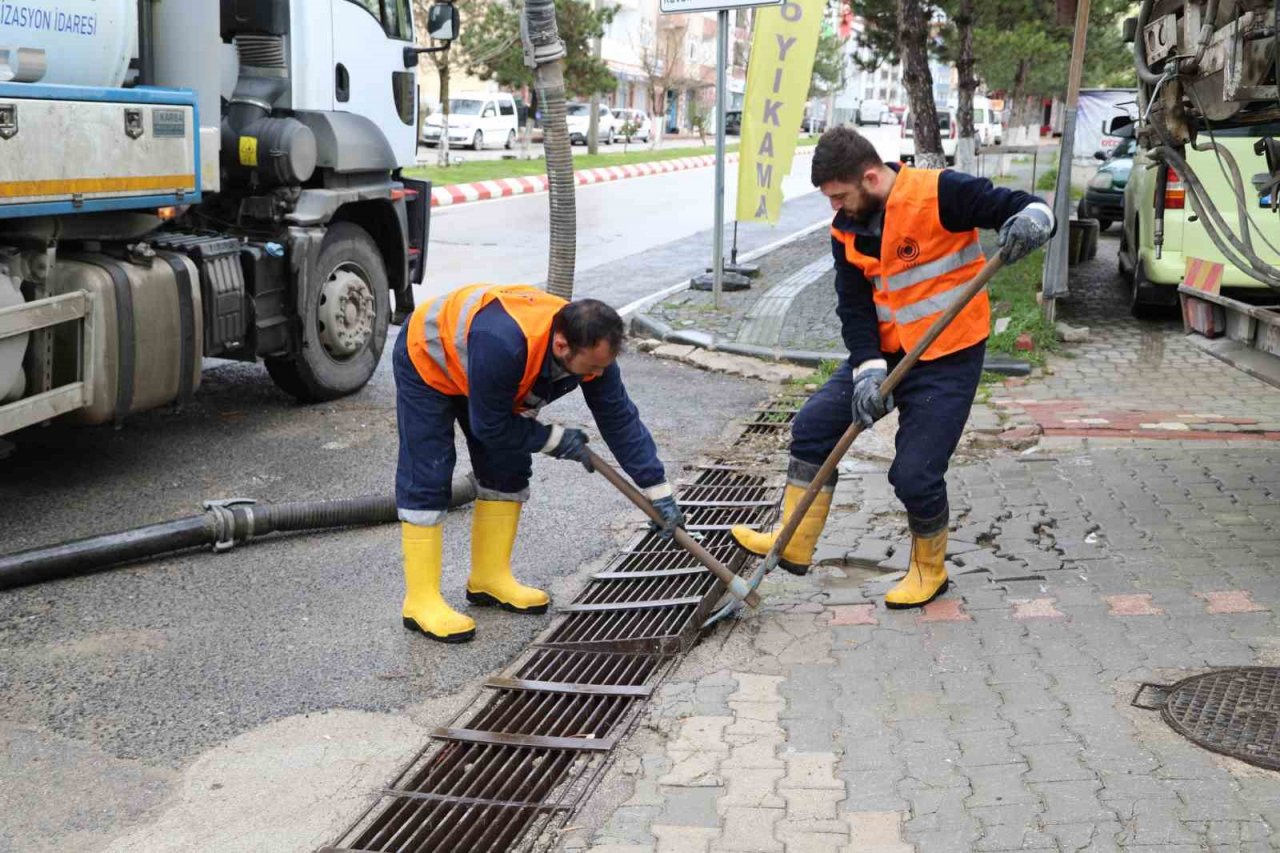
<point x="867" y="211"/>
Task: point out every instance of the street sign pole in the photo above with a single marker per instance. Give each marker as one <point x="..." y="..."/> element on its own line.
<point x="718" y="278"/>
<point x="722" y="67"/>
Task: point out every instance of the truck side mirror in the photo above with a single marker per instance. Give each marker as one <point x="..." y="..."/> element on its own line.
<point x="443" y="24"/>
<point x="1116" y="125"/>
<point x="443" y="21"/>
<point x="1130" y="30"/>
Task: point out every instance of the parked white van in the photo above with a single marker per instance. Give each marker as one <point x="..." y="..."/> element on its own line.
<point x="947" y="129"/>
<point x="476" y="119"/>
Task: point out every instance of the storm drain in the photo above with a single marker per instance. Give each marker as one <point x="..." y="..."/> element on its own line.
<point x="1234" y="711"/>
<point x="517" y="763"/>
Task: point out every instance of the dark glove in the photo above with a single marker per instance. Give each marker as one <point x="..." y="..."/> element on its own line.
<point x="868" y="405"/>
<point x="1023" y="233"/>
<point x="573" y="446"/>
<point x="672" y="517"/>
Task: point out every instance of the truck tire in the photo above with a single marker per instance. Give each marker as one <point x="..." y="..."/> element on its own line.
<point x="344" y="321"/>
<point x="1140" y="288"/>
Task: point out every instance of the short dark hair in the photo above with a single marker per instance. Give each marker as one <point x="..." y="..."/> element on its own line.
<point x="586" y="322"/>
<point x="843" y="154"/>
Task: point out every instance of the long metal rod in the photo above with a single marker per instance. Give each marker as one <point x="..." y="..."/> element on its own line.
<point x="886" y="388"/>
<point x="722" y="61"/>
<point x="735" y="584"/>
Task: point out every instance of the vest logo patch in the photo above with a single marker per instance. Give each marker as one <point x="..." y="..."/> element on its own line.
<point x="908" y="250"/>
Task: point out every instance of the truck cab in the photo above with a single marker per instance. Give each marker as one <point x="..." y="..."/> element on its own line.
<point x="194" y="179"/>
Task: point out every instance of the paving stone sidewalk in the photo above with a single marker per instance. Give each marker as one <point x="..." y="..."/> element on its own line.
<point x="999" y="717"/>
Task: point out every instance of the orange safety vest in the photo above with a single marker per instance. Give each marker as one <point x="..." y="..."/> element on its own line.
<point x="921" y="270"/>
<point x="439" y="328"/>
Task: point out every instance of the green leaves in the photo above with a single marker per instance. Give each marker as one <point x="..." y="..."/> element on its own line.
<point x="492" y="50"/>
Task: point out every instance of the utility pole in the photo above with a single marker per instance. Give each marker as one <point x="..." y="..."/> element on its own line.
<point x="593" y="126"/>
<point x="1055" y="259"/>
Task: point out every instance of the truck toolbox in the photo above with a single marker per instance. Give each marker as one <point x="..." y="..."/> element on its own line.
<point x="73" y="149"/>
<point x="147" y="322"/>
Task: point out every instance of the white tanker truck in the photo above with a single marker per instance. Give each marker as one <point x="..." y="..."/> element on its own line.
<point x="202" y="178"/>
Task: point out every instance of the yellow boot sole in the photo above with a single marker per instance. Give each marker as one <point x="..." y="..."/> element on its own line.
<point x="484" y="599"/>
<point x="464" y="637"/>
<point x="893" y="605"/>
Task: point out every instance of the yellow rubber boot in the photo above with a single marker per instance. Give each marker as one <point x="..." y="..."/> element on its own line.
<point x="425" y="609"/>
<point x="493" y="533"/>
<point x="926" y="575"/>
<point x="798" y="554"/>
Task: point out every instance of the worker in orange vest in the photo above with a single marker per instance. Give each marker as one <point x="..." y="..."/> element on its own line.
<point x="489" y="358"/>
<point x="905" y="242"/>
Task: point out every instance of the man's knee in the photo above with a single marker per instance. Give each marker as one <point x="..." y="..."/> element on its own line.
<point x="503" y="476"/>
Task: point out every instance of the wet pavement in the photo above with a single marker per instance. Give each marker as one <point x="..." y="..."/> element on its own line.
<point x="1104" y="555"/>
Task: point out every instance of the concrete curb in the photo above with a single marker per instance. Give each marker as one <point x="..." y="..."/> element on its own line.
<point x="643" y="325"/>
<point x="503" y="187"/>
<point x="644" y="303"/>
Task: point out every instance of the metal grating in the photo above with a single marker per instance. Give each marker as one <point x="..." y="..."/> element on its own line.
<point x="518" y="762"/>
<point x="1234" y="711"/>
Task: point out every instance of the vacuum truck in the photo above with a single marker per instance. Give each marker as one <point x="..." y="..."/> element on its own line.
<point x="182" y="179"/>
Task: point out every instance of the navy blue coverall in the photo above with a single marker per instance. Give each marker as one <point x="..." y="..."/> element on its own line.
<point x="934" y="398"/>
<point x="500" y="442"/>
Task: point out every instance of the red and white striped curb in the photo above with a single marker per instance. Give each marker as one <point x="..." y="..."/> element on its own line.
<point x="503" y="187"/>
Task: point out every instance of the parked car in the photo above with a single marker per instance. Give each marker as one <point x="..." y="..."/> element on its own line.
<point x="637" y="122"/>
<point x="947" y="128"/>
<point x="986" y="123"/>
<point x="733" y="123"/>
<point x="870" y="111"/>
<point x="813" y="124"/>
<point x="476" y="119"/>
<point x="1154" y="281"/>
<point x="1104" y="194"/>
<point x="579" y="120"/>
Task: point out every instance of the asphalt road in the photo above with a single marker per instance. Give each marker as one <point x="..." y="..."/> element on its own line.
<point x="506" y="240"/>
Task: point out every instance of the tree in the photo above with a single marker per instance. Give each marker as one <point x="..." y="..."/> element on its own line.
<point x="913" y="46"/>
<point x="659" y="54"/>
<point x="443" y="63"/>
<point x="828" y="64"/>
<point x="493" y="47"/>
<point x="957" y="46"/>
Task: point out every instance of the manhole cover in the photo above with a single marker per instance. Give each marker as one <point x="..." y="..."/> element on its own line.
<point x="1233" y="711"/>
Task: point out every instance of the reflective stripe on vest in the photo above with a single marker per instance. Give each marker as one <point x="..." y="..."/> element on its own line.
<point x="432" y="333"/>
<point x="929" y="306"/>
<point x="933" y="269"/>
<point x="444" y="324"/>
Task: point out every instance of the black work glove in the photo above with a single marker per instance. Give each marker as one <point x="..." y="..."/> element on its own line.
<point x="573" y="446"/>
<point x="1024" y="232"/>
<point x="868" y="405"/>
<point x="672" y="517"/>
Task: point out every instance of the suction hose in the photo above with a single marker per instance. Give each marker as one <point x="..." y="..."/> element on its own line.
<point x="544" y="53"/>
<point x="223" y="525"/>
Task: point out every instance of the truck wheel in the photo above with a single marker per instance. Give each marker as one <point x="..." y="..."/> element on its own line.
<point x="1139" y="295"/>
<point x="344" y="321"/>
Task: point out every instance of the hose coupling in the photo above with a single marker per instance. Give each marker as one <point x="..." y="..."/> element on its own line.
<point x="224" y="520"/>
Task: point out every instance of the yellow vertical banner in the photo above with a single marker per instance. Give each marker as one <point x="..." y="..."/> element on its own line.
<point x="778" y="77"/>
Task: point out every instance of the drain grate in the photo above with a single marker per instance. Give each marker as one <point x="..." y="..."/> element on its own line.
<point x="516" y="764"/>
<point x="1234" y="711"/>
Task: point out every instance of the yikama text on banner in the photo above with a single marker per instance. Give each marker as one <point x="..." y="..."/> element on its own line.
<point x="782" y="53"/>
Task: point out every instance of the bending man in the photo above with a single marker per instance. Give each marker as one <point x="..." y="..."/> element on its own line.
<point x="488" y="358"/>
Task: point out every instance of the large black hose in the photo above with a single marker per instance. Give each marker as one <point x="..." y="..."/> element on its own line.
<point x="222" y="526"/>
<point x="544" y="53"/>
